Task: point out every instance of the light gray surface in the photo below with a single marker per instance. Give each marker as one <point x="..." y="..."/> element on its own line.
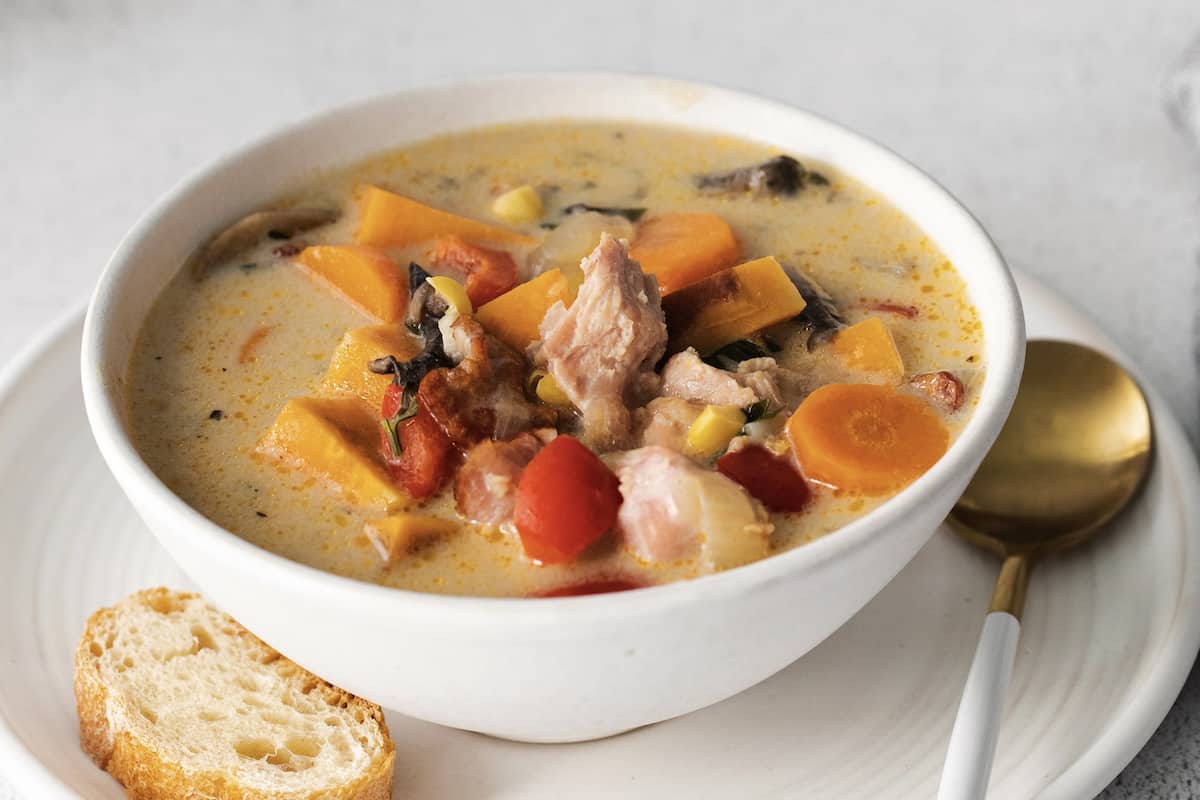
<point x="1045" y="119"/>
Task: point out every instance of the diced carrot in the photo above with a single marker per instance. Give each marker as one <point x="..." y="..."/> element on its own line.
<point x="363" y="275"/>
<point x="865" y="438"/>
<point x="335" y="438"/>
<point x="348" y="373"/>
<point x="392" y="220"/>
<point x="489" y="273"/>
<point x="869" y="346"/>
<point x="515" y="316"/>
<point x="730" y="305"/>
<point x="681" y="249"/>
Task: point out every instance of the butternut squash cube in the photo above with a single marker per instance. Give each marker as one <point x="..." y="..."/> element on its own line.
<point x="363" y="275"/>
<point x="515" y="316"/>
<point x="681" y="249"/>
<point x="396" y="535"/>
<point x="730" y="305"/>
<point x="868" y="346"/>
<point x="392" y="220"/>
<point x="336" y="439"/>
<point x="348" y="373"/>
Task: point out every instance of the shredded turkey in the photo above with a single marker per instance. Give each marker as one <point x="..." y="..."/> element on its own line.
<point x="603" y="349"/>
<point x="673" y="509"/>
<point x="686" y="376"/>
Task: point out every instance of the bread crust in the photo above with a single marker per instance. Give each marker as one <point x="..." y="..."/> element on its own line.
<point x="148" y="774"/>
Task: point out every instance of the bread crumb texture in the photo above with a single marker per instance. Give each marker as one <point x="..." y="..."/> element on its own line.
<point x="177" y="700"/>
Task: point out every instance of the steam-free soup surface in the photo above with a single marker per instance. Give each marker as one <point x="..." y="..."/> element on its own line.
<point x="218" y="358"/>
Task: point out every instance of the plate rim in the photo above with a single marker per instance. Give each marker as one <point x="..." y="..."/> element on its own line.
<point x="1125" y="733"/>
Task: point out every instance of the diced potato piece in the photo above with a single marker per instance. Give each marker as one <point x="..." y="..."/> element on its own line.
<point x="337" y="439"/>
<point x="348" y="373"/>
<point x="452" y="292"/>
<point x="869" y="346"/>
<point x="363" y="275"/>
<point x="712" y="431"/>
<point x="391" y="220"/>
<point x="396" y="535"/>
<point x="514" y="317"/>
<point x="519" y="206"/>
<point x="681" y="249"/>
<point x="730" y="305"/>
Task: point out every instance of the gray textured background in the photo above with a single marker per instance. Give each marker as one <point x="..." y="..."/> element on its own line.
<point x="1045" y="119"/>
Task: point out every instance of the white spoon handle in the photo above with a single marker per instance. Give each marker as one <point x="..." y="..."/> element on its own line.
<point x="973" y="739"/>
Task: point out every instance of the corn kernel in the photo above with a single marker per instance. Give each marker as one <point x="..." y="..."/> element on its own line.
<point x="518" y="206"/>
<point x="713" y="430"/>
<point x="452" y="292"/>
<point x="550" y="393"/>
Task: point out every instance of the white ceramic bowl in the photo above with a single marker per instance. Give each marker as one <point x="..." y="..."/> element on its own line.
<point x="536" y="669"/>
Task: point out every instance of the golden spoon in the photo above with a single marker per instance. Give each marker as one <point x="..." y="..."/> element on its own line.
<point x="1074" y="451"/>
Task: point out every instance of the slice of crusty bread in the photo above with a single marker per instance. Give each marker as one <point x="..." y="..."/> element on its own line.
<point x="177" y="700"/>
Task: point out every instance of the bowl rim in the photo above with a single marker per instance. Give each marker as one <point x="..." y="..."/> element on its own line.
<point x="999" y="389"/>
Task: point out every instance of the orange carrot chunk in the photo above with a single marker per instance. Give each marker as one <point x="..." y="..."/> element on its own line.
<point x="392" y="220"/>
<point x="488" y="273"/>
<point x="363" y="275"/>
<point x="680" y="249"/>
<point x="864" y="438"/>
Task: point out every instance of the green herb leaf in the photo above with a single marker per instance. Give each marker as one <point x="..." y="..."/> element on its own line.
<point x="757" y="411"/>
<point x="393" y="438"/>
<point x="631" y="214"/>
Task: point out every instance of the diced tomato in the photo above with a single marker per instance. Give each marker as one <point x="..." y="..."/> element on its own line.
<point x="393" y="396"/>
<point x="428" y="458"/>
<point x="489" y="273"/>
<point x="770" y="479"/>
<point x="603" y="586"/>
<point x="566" y="500"/>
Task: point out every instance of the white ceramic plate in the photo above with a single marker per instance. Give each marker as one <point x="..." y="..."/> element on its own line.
<point x="1108" y="639"/>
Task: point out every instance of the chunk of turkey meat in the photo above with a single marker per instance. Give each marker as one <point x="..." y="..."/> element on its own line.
<point x="686" y="376"/>
<point x="603" y="349"/>
<point x="485" y="489"/>
<point x="673" y="509"/>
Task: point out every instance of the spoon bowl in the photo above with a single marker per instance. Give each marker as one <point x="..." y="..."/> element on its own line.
<point x="1074" y="451"/>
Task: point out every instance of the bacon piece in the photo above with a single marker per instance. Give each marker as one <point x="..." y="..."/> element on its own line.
<point x="943" y="388"/>
<point x="483" y="396"/>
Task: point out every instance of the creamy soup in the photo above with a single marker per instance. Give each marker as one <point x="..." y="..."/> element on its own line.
<point x="739" y="352"/>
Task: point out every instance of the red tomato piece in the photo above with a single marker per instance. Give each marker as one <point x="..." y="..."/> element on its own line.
<point x="393" y="396"/>
<point x="427" y="459"/>
<point x="566" y="500"/>
<point x="906" y="311"/>
<point x="489" y="273"/>
<point x="603" y="586"/>
<point x="770" y="479"/>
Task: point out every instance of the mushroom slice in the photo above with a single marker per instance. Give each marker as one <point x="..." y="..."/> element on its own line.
<point x="252" y="228"/>
<point x="782" y="175"/>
